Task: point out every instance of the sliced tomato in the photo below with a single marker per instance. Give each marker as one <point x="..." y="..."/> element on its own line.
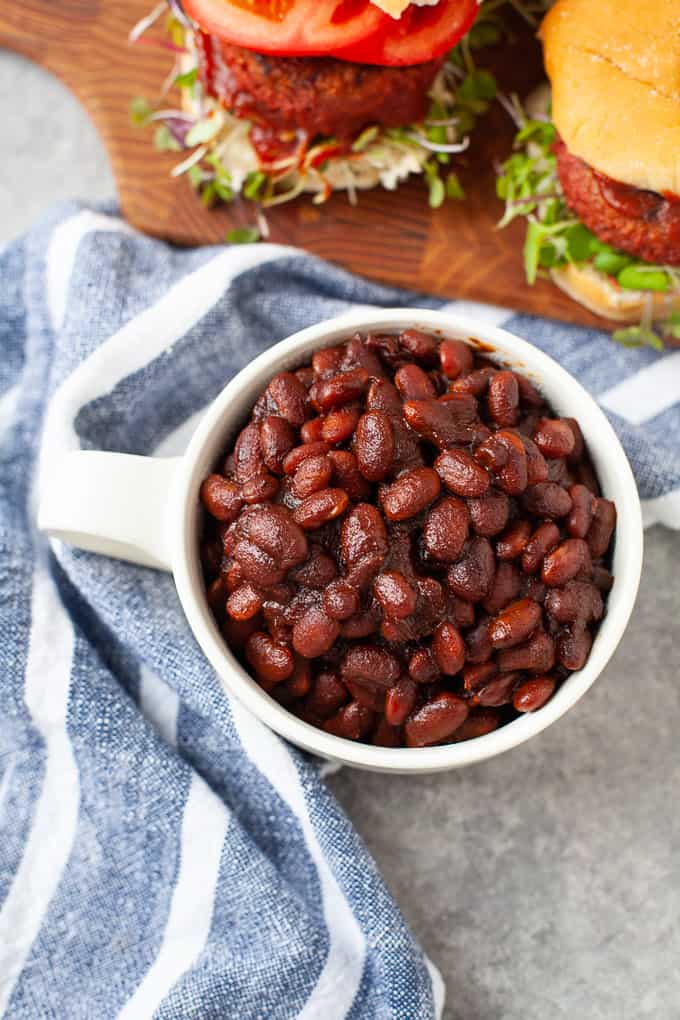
<point x="289" y="27"/>
<point x="421" y="34"/>
<point x="353" y="30"/>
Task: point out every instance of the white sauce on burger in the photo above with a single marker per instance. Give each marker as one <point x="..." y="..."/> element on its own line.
<point x="395" y="8"/>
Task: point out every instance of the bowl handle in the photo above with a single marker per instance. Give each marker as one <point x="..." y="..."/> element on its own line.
<point x="115" y="504"/>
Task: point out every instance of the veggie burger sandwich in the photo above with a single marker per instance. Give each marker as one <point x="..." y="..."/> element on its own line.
<point x="285" y="96"/>
<point x="598" y="176"/>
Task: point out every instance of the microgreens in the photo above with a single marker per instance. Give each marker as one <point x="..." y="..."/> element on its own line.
<point x="638" y="336"/>
<point x="187" y="80"/>
<point x="203" y="131"/>
<point x="435" y="184"/>
<point x="454" y="189"/>
<point x="164" y="140"/>
<point x="672" y="325"/>
<point x="140" y="111"/>
<point x="367" y="136"/>
<point x="243" y="235"/>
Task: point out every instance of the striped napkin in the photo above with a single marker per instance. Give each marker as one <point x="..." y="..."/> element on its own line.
<point x="161" y="853"/>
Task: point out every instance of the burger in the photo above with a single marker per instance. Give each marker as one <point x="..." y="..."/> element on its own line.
<point x="596" y="166"/>
<point x="280" y="97"/>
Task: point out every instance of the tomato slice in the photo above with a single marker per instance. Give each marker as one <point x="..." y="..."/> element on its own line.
<point x="421" y="34"/>
<point x="289" y="27"/>
<point x="354" y="30"/>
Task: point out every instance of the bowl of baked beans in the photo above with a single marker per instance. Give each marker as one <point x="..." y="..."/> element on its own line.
<point x="417" y="539"/>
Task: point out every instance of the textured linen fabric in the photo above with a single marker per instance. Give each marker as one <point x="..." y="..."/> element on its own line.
<point x="162" y="854"/>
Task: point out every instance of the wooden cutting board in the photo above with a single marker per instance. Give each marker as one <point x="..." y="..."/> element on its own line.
<point x="455" y="251"/>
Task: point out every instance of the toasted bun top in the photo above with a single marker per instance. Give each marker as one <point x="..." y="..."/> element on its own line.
<point x="614" y="66"/>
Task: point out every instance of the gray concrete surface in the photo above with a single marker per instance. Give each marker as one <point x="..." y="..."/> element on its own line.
<point x="50" y="150"/>
<point x="545" y="884"/>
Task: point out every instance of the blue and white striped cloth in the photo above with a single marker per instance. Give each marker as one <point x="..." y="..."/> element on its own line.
<point x="161" y="853"/>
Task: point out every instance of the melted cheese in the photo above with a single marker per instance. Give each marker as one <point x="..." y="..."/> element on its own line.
<point x="395" y="8"/>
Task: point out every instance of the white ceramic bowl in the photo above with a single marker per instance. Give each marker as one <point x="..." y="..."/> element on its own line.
<point x="114" y="525"/>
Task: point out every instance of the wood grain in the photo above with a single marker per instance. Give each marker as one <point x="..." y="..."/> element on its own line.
<point x="455" y="251"/>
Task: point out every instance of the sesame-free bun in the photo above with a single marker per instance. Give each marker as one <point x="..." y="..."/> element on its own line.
<point x="602" y="296"/>
<point x="614" y="66"/>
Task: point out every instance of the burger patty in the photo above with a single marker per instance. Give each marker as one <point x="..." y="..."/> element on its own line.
<point x="641" y="223"/>
<point x="318" y="95"/>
